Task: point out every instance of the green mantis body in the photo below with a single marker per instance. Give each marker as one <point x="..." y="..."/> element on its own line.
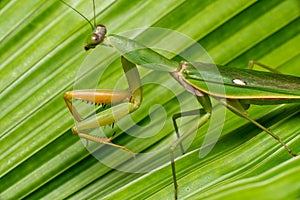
<point x="243" y="87"/>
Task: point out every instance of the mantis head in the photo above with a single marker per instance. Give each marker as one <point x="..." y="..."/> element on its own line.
<point x="96" y="38"/>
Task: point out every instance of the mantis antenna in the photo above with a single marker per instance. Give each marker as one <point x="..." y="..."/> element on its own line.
<point x="84" y="17"/>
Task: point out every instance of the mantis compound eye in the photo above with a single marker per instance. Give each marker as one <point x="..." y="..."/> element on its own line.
<point x="100" y="30"/>
<point x="96" y="38"/>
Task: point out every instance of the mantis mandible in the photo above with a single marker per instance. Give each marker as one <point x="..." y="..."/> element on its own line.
<point x="243" y="87"/>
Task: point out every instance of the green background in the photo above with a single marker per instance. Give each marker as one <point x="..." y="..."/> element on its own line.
<point x="41" y="52"/>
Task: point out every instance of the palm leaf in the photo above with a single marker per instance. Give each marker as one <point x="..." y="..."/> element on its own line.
<point x="42" y="57"/>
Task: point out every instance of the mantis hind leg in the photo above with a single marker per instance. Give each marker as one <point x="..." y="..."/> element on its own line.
<point x="231" y="105"/>
<point x="251" y="64"/>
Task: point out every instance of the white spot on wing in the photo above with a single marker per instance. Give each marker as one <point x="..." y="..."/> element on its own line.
<point x="239" y="81"/>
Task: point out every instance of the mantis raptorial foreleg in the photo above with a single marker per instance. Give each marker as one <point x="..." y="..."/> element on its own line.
<point x="123" y="102"/>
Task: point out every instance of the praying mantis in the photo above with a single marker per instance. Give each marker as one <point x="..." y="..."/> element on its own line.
<point x="243" y="88"/>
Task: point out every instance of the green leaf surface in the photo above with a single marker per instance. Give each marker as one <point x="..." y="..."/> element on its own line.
<point x="42" y="57"/>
